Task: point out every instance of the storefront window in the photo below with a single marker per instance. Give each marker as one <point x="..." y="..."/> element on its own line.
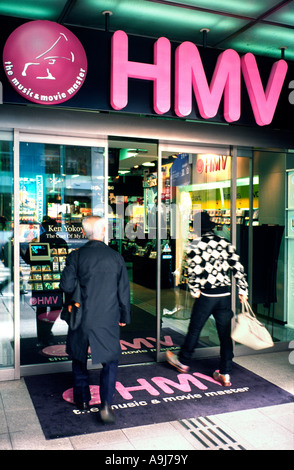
<point x="6" y="243"/>
<point x="58" y="186"/>
<point x="268" y="244"/>
<point x="264" y="238"/>
<point x="290" y="247"/>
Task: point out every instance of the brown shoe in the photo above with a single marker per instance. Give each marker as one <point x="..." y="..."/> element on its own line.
<point x="223" y="379"/>
<point x="173" y="360"/>
<point x="107" y="415"/>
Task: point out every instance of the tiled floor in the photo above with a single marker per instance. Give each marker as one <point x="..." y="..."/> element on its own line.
<point x="263" y="429"/>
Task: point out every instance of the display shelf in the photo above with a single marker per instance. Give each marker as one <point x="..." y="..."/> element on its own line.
<point x="223" y="217"/>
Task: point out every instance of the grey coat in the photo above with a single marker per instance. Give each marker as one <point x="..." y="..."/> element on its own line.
<point x="105" y="295"/>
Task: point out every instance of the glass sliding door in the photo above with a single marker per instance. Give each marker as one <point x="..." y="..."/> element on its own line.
<point x="193" y="179"/>
<point x="59" y="185"/>
<point x="7" y="252"/>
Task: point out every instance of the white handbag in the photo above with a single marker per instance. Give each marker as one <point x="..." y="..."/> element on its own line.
<point x="249" y="331"/>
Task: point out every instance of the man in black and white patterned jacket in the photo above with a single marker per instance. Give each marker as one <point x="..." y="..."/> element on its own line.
<point x="210" y="260"/>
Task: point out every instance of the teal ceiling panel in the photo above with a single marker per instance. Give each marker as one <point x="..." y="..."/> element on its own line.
<point x="33" y="9"/>
<point x="284" y="16"/>
<point x="156" y="20"/>
<point x="248" y="8"/>
<point x="264" y="40"/>
<point x="261" y="26"/>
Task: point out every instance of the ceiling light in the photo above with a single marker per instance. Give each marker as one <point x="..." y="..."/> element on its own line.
<point x="148" y="164"/>
<point x="204" y="32"/>
<point x="282" y="49"/>
<point x="107" y="14"/>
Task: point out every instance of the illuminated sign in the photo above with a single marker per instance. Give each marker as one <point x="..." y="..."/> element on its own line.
<point x="122" y="69"/>
<point x="45" y="62"/>
<point x="211" y="163"/>
<point x="190" y="76"/>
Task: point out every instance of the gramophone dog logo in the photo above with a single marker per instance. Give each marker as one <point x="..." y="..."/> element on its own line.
<point x="45" y="62"/>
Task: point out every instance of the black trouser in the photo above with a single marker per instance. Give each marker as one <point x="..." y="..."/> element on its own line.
<point x="44" y="328"/>
<point x="81" y="389"/>
<point x="220" y="308"/>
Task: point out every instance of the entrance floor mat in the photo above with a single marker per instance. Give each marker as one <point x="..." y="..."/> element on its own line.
<point x="148" y="394"/>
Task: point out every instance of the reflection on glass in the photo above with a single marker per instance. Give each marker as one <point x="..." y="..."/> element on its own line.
<point x="6" y="247"/>
<point x="58" y="186"/>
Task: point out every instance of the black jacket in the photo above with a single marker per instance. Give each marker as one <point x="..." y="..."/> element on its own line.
<point x="105" y="295"/>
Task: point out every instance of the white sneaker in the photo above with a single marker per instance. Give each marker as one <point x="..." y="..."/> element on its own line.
<point x="173" y="360"/>
<point x="170" y="312"/>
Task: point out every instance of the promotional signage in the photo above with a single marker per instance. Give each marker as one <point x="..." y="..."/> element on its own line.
<point x="51" y="65"/>
<point x="211" y="163"/>
<point x="180" y="172"/>
<point x="45" y="62"/>
<point x="190" y="75"/>
<point x="46" y="299"/>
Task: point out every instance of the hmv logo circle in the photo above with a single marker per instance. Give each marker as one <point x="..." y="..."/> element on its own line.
<point x="45" y="62"/>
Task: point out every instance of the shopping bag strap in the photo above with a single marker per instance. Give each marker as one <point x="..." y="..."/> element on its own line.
<point x="246" y="308"/>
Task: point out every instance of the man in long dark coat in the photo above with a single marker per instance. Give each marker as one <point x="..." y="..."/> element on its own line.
<point x="105" y="299"/>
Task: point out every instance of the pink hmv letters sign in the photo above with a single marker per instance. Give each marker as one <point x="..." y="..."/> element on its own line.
<point x="190" y="77"/>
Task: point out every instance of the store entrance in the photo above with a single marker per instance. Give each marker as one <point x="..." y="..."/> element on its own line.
<point x="150" y="192"/>
<point x="132" y="231"/>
